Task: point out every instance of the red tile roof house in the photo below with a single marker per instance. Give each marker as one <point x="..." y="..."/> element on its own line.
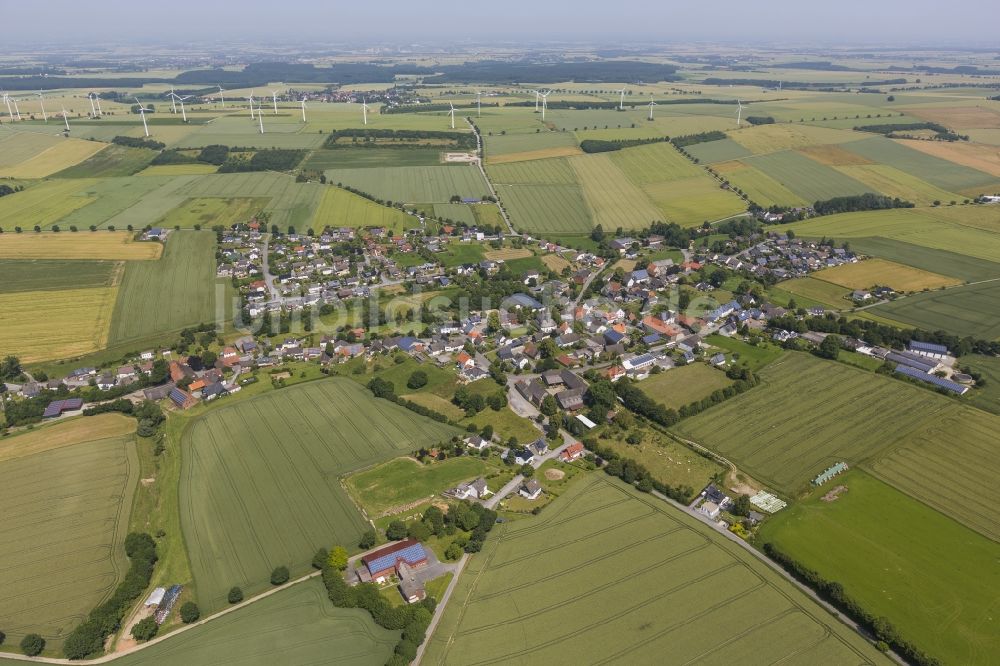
<point x="384" y="562"/>
<point x="572" y="452"/>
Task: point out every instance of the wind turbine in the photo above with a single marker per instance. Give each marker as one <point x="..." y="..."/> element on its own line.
<point x="621" y="103"/>
<point x="93" y="109"/>
<point x="142" y="112"/>
<point x="17" y="112"/>
<point x="479" y="103"/>
<point x="41" y="101"/>
<point x="274" y="96"/>
<point x="222" y="97"/>
<point x="651" y="105"/>
<point x="537" y="95"/>
<point x="739" y="112"/>
<point x="65" y="118"/>
<point x="251" y="105"/>
<point x="303" y="102"/>
<point x="173" y="100"/>
<point x="260" y="116"/>
<point x="452" y="113"/>
<point x="364" y="109"/>
<point x="6" y="100"/>
<point x="97" y="97"/>
<point x="183" y="112"/>
<point x="545" y="97"/>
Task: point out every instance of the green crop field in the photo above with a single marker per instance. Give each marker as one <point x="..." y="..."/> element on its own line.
<point x="963" y="267"/>
<point x="260" y="479"/>
<point x="951" y="465"/>
<point x="614" y="200"/>
<point x="430" y="184"/>
<point x="404" y="481"/>
<point x="294" y="627"/>
<point x="118" y="202"/>
<point x="986" y="396"/>
<point x="18" y="147"/>
<point x="240" y="131"/>
<point x="340" y="208"/>
<point x="762" y="139"/>
<point x="513" y="147"/>
<point x="547" y="208"/>
<point x="680" y="386"/>
<point x="722" y="150"/>
<point x="895" y="183"/>
<point x="759" y="186"/>
<point x="965" y="310"/>
<point x="808" y="414"/>
<point x="667" y="460"/>
<point x="880" y="544"/>
<point x="361" y="158"/>
<point x="554" y="171"/>
<point x="916" y="226"/>
<point x="112" y="161"/>
<point x="608" y="574"/>
<point x="44" y="204"/>
<point x="66" y="511"/>
<point x="178" y="290"/>
<point x="291" y="203"/>
<point x="819" y="291"/>
<point x="55" y="274"/>
<point x="936" y="171"/>
<point x="754" y="357"/>
<point x="455" y="212"/>
<point x="806" y="177"/>
<point x="211" y="211"/>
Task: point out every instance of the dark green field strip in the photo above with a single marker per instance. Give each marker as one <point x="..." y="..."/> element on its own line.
<point x="808" y="414"/>
<point x="176" y="291"/>
<point x="361" y="158"/>
<point x="941" y="262"/>
<point x="806" y="177"/>
<point x="987" y="396"/>
<point x="942" y="173"/>
<point x="547" y="208"/>
<point x="17" y="275"/>
<point x="112" y="161"/>
<point x="972" y="310"/>
<point x="625" y="591"/>
<point x="61" y="542"/>
<point x="261" y="480"/>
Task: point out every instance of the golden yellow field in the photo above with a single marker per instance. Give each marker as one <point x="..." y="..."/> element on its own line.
<point x="40" y="326"/>
<point x="555" y="263"/>
<point x="110" y="245"/>
<point x="974" y="155"/>
<point x="178" y="170"/>
<point x="865" y="274"/>
<point x="832" y="155"/>
<point x="66" y="433"/>
<point x="43" y="204"/>
<point x="507" y="254"/>
<point x="64" y="154"/>
<point x="961" y="117"/>
<point x="561" y="151"/>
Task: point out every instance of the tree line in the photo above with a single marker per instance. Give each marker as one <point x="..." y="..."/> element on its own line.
<point x="858" y="202"/>
<point x="137" y="142"/>
<point x="700" y="137"/>
<point x="270" y="159"/>
<point x="635" y="474"/>
<point x="459" y="140"/>
<point x="893" y="130"/>
<point x="602" y="146"/>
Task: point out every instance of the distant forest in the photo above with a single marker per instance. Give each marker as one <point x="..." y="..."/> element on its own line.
<point x="488" y="72"/>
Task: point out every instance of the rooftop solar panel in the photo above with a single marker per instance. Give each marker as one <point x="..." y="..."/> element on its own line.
<point x="931" y="379"/>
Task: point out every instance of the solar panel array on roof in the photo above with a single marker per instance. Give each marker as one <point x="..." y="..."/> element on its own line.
<point x="57" y="407"/>
<point x="931" y="379"/>
<point x="178" y="396"/>
<point x="911" y="360"/>
<point x="411" y="555"/>
<point x="916" y="345"/>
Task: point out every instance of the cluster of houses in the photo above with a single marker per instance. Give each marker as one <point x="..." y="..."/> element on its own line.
<point x="784" y="258"/>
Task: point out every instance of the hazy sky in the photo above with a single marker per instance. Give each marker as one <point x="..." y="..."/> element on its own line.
<point x="913" y="22"/>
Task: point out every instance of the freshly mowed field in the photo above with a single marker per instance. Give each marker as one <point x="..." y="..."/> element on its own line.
<point x="66" y="433"/>
<point x="936" y="171"/>
<point x="340" y="208"/>
<point x="66" y="513"/>
<point x="117" y="246"/>
<point x="508" y="254"/>
<point x="157" y="297"/>
<point x="722" y="150"/>
<point x="112" y="161"/>
<point x="935" y="580"/>
<point x="536" y="172"/>
<point x="260" y="479"/>
<point x="614" y="200"/>
<point x="405" y="481"/>
<point x="895" y="183"/>
<point x="297" y="626"/>
<point x="520" y="147"/>
<point x="363" y="158"/>
<point x="432" y="184"/>
<point x="668" y="461"/>
<point x="57" y="157"/>
<point x="45" y="325"/>
<point x="973" y="155"/>
<point x="987" y="396"/>
<point x="19" y="147"/>
<point x="763" y="139"/>
<point x="966" y="310"/>
<point x="211" y="211"/>
<point x="865" y="274"/>
<point x="681" y="386"/>
<point x="806" y="177"/>
<point x="547" y="208"/>
<point x="808" y="414"/>
<point x="42" y="205"/>
<point x="555" y="263"/>
<point x="55" y="274"/>
<point x="608" y="574"/>
<point x="825" y="293"/>
<point x="915" y="226"/>
<point x="759" y="186"/>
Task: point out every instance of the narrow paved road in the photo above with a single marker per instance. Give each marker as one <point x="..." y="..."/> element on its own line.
<point x="489" y="184"/>
<point x="265" y="267"/>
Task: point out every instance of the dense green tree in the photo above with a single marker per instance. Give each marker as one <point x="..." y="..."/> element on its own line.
<point x="190" y="612"/>
<point x="396" y="530"/>
<point x="279" y="576"/>
<point x="417" y="380"/>
<point x="145" y="629"/>
<point x="320" y="558"/>
<point x="830" y="347"/>
<point x="235" y="595"/>
<point x="338" y="558"/>
<point x="368" y="539"/>
<point x="549" y="406"/>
